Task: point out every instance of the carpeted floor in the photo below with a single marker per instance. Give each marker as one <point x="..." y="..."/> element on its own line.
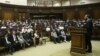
<point x="51" y="49"/>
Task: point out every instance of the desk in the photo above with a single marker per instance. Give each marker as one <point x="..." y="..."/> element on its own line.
<point x="78" y="40"/>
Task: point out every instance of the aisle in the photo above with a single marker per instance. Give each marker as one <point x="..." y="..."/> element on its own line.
<point x="43" y="50"/>
<point x="51" y="49"/>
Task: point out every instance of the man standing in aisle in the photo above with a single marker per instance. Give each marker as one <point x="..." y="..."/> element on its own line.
<point x="89" y="28"/>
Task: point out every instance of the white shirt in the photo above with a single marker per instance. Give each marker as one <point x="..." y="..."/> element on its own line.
<point x="53" y="34"/>
<point x="61" y="27"/>
<point x="14" y="37"/>
<point x="3" y="27"/>
<point x="63" y="33"/>
<point x="36" y="35"/>
<point x="23" y="30"/>
<point x="47" y="29"/>
<point x="29" y="30"/>
<point x="21" y="39"/>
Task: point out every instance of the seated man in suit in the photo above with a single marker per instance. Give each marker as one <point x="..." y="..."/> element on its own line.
<point x="24" y="34"/>
<point x="58" y="34"/>
<point x="16" y="42"/>
<point x="9" y="42"/>
<point x="30" y="35"/>
<point x="26" y="37"/>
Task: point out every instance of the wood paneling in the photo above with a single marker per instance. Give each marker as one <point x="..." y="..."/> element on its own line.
<point x="22" y="15"/>
<point x="0" y="13"/>
<point x="70" y="12"/>
<point x="96" y="13"/>
<point x="82" y="13"/>
<point x="7" y="13"/>
<point x="77" y="40"/>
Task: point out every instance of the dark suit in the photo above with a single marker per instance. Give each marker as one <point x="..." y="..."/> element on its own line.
<point x="30" y="37"/>
<point x="16" y="42"/>
<point x="89" y="28"/>
<point x="10" y="45"/>
<point x="10" y="38"/>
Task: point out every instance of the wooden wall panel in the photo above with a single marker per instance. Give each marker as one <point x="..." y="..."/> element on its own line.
<point x="0" y="13"/>
<point x="76" y="13"/>
<point x="15" y="13"/>
<point x="77" y="40"/>
<point x="64" y="15"/>
<point x="22" y="15"/>
<point x="7" y="13"/>
<point x="96" y="13"/>
<point x="90" y="11"/>
<point x="70" y="14"/>
<point x="82" y="13"/>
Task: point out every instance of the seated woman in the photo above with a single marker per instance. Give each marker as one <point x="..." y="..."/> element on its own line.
<point x="54" y="36"/>
<point x="63" y="35"/>
<point x="41" y="39"/>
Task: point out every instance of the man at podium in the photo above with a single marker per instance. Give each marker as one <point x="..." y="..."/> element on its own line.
<point x="89" y="28"/>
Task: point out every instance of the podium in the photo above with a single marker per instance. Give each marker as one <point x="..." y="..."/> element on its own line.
<point x="77" y="40"/>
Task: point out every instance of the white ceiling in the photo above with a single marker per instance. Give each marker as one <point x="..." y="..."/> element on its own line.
<point x="59" y="3"/>
<point x="49" y="2"/>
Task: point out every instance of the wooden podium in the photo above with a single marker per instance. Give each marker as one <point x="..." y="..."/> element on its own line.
<point x="77" y="40"/>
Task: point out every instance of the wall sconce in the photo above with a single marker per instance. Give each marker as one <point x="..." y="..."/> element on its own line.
<point x="82" y="2"/>
<point x="7" y="2"/>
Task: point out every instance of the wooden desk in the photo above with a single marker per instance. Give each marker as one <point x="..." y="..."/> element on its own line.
<point x="78" y="40"/>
